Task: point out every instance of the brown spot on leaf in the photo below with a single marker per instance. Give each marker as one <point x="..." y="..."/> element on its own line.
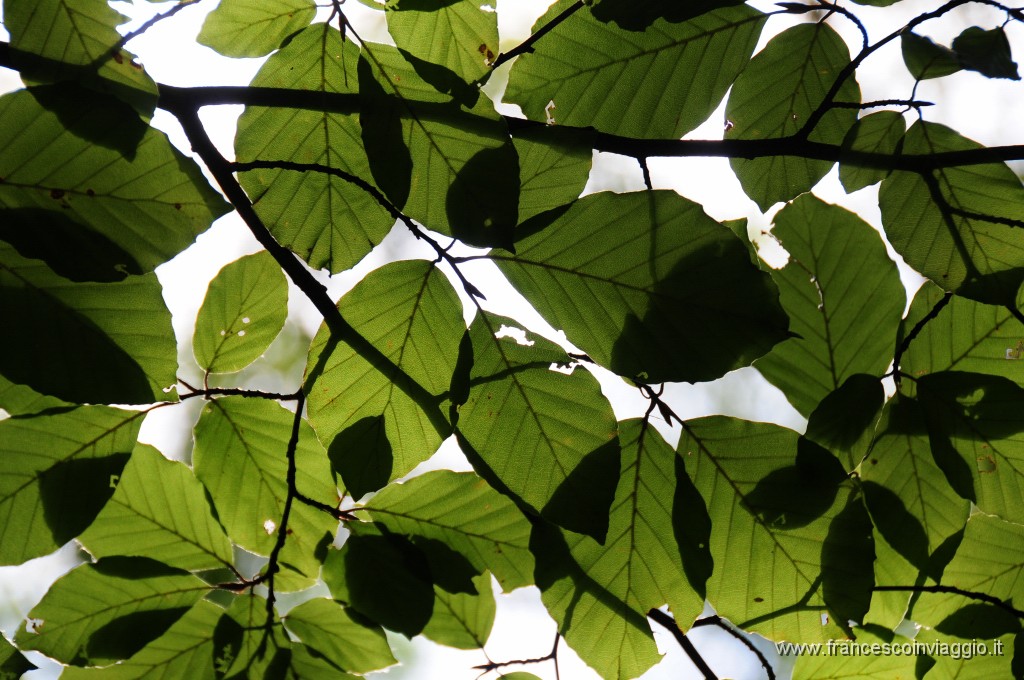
<point x="177" y="206"/>
<point x="90" y="192"/>
<point x="758" y="599"/>
<point x="56" y="194"/>
<point x="118" y="58"/>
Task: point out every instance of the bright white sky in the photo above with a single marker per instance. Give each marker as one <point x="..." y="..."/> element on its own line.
<point x="982" y="109"/>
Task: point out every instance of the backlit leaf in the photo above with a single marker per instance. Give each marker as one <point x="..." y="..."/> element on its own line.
<point x="250" y="642"/>
<point x="240" y="456"/>
<point x="140" y="600"/>
<point x="844" y="299"/>
<point x="61" y="40"/>
<point x="463" y="512"/>
<point x="84" y="342"/>
<point x="253" y="28"/>
<point x="662" y="82"/>
<point x="629" y="276"/>
<point x="546" y="438"/>
<point x="245" y="308"/>
<point x="160" y="511"/>
<point x="375" y="432"/>
<point x="328" y="628"/>
<point x="329" y="221"/>
<point x="925" y="59"/>
<point x="776" y="94"/>
<point x="879" y="132"/>
<point x="636" y="15"/>
<point x="463" y="620"/>
<point x="957" y="227"/>
<point x="459" y="35"/>
<point x="58" y="471"/>
<point x="554" y="165"/>
<point x="73" y="195"/>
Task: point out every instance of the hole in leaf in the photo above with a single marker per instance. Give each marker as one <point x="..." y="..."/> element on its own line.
<point x="241" y="333"/>
<point x="517" y="334"/>
<point x="269" y="526"/>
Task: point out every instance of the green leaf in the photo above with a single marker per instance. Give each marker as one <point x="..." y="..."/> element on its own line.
<point x="989" y="562"/>
<point x="160" y="511"/>
<point x="607" y="633"/>
<point x="636" y="15"/>
<point x="987" y="52"/>
<point x="19" y="400"/>
<point x="85" y="342"/>
<point x="844" y="299"/>
<point x="326" y="219"/>
<point x="910" y="501"/>
<point x="140" y="600"/>
<point x="254" y="28"/>
<point x="640" y="566"/>
<point x="864" y="658"/>
<point x="964" y="336"/>
<point x="306" y="663"/>
<point x="240" y="456"/>
<point x="12" y="663"/>
<point x="446" y="160"/>
<point x="956" y="659"/>
<point x="184" y="651"/>
<point x="662" y="82"/>
<point x="250" y="642"/>
<point x="958" y="232"/>
<point x="459" y="35"/>
<point x="976" y="430"/>
<point x="376" y="432"/>
<point x="464" y="513"/>
<point x="554" y="166"/>
<point x="77" y="40"/>
<point x="74" y="195"/>
<point x="924" y="59"/>
<point x="463" y="620"/>
<point x="629" y="276"/>
<point x="58" y="471"/>
<point x="879" y="132"/>
<point x="771" y="504"/>
<point x="546" y="438"/>
<point x="245" y="308"/>
<point x="369" y="558"/>
<point x="329" y="629"/>
<point x="776" y="94"/>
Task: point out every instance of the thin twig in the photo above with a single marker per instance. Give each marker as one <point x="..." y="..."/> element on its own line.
<point x="527" y="45"/>
<point x="981" y="597"/>
<point x="550" y="656"/>
<point x="282" y="530"/>
<point x="914" y="332"/>
<point x="235" y="392"/>
<point x="721" y="623"/>
<point x="670" y="625"/>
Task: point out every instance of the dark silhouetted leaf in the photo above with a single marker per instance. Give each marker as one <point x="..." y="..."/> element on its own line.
<point x="987" y="52"/>
<point x="925" y="59"/>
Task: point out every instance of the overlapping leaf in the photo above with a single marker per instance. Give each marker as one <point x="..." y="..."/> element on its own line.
<point x="776" y="94"/>
<point x="91" y="190"/>
<point x="347" y="644"/>
<point x="772" y="506"/>
<point x="631" y="277"/>
<point x="463" y="512"/>
<point x="958" y="226"/>
<point x="546" y="438"/>
<point x="240" y="456"/>
<point x="185" y="650"/>
<point x="463" y="620"/>
<point x="879" y="132"/>
<point x="554" y="166"/>
<point x="61" y="40"/>
<point x="84" y="342"/>
<point x="910" y="500"/>
<point x="21" y="399"/>
<point x="459" y="35"/>
<point x="636" y="15"/>
<point x="250" y="642"/>
<point x="859" y="659"/>
<point x="964" y="336"/>
<point x="58" y="471"/>
<point x="976" y="430"/>
<point x="375" y="431"/>
<point x="640" y="566"/>
<point x="445" y="159"/>
<point x="925" y="59"/>
<point x="245" y="308"/>
<point x="989" y="563"/>
<point x="99" y="613"/>
<point x="662" y="82"/>
<point x="326" y="219"/>
<point x="160" y="511"/>
<point x="11" y="661"/>
<point x="844" y="299"/>
<point x="254" y="28"/>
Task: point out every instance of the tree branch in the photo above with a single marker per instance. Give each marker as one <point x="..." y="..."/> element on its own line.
<point x="527" y="45"/>
<point x="914" y="332"/>
<point x="282" y="529"/>
<point x="670" y="625"/>
<point x="721" y="623"/>
<point x="981" y="597"/>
